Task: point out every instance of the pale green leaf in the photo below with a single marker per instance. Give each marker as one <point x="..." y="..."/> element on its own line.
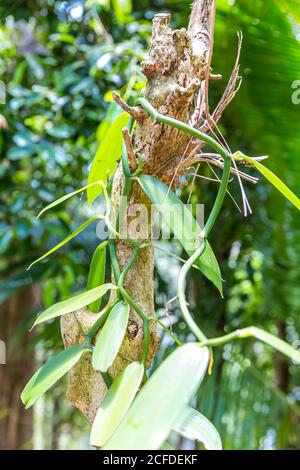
<point x="178" y="218"/>
<point x="111" y="337"/>
<point x="107" y="156"/>
<point x="116" y="402"/>
<point x="196" y="427"/>
<point x="270" y="176"/>
<point x="160" y="403"/>
<point x="73" y="304"/>
<point x="66" y="240"/>
<point x="96" y="275"/>
<point x="50" y="373"/>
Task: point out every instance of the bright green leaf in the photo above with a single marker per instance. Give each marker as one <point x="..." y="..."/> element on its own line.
<point x="270" y="176"/>
<point x="196" y="427"/>
<point x="73" y="304"/>
<point x="96" y="275"/>
<point x="181" y="222"/>
<point x="50" y="373"/>
<point x="116" y="403"/>
<point x="110" y="337"/>
<point x="271" y="340"/>
<point x="160" y="403"/>
<point x="107" y="156"/>
<point x="63" y="37"/>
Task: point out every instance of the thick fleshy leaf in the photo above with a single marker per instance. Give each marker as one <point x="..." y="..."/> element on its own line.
<point x="50" y="373"/>
<point x="96" y="275"/>
<point x="66" y="240"/>
<point x="270" y="176"/>
<point x="110" y="337"/>
<point x="181" y="222"/>
<point x="116" y="403"/>
<point x="271" y="340"/>
<point x="160" y="403"/>
<point x="107" y="156"/>
<point x="196" y="427"/>
<point x="66" y="197"/>
<point x="74" y="303"/>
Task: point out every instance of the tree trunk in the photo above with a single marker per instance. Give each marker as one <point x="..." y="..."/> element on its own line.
<point x="15" y="421"/>
<point x="177" y="72"/>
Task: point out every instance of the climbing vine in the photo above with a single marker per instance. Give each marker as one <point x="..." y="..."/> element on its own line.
<point x="128" y="415"/>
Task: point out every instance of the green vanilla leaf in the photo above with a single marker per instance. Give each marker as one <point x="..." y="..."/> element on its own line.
<point x="271" y="340"/>
<point x="110" y="337"/>
<point x="96" y="275"/>
<point x="162" y="400"/>
<point x="74" y="303"/>
<point x="66" y="240"/>
<point x="178" y="218"/>
<point x="270" y="176"/>
<point x="116" y="403"/>
<point x="50" y="373"/>
<point x="107" y="156"/>
<point x="196" y="427"/>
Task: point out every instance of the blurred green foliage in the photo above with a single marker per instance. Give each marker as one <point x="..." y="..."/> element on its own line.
<point x="60" y="61"/>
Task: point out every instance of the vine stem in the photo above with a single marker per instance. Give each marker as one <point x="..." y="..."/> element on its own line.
<point x="181" y="293"/>
<point x="237" y="334"/>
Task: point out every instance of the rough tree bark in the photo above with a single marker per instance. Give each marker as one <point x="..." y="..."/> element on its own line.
<point x="178" y="72"/>
<point x="15" y="421"/>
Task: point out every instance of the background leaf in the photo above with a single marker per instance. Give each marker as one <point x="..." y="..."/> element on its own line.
<point x="107" y="156"/>
<point x="161" y="401"/>
<point x="122" y="9"/>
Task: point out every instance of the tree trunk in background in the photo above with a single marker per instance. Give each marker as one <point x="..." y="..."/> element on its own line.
<point x="15" y="422"/>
